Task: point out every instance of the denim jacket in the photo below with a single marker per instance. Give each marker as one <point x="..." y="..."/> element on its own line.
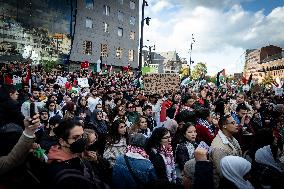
<point x="143" y="169"/>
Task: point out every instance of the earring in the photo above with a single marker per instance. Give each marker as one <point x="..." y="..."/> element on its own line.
<point x="225" y="127"/>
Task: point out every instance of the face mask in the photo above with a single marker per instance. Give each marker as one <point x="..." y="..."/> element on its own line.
<point x="78" y="146"/>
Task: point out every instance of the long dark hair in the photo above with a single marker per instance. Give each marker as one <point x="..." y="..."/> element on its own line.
<point x="155" y="138"/>
<point x="183" y="130"/>
<point x="5" y="91"/>
<point x="113" y="135"/>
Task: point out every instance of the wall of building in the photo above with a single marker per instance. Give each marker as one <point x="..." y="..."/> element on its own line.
<point x="98" y="36"/>
<point x="269" y="51"/>
<point x="274" y="68"/>
<point x="30" y="25"/>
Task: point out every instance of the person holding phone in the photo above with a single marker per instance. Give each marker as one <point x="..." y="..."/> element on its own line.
<point x="20" y="151"/>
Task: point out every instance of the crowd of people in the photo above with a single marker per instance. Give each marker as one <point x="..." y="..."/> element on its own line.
<point x="113" y="134"/>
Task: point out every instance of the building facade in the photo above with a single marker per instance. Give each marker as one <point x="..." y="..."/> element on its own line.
<point x="108" y="29"/>
<point x="39" y="30"/>
<point x="163" y="62"/>
<point x="266" y="60"/>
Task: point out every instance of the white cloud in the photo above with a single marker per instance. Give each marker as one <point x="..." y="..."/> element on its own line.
<point x="161" y="5"/>
<point x="223" y="30"/>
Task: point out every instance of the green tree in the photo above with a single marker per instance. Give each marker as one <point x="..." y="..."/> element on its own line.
<point x="267" y="80"/>
<point x="199" y="70"/>
<point x="48" y="65"/>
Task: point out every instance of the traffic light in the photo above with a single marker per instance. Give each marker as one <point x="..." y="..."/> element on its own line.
<point x="147" y="20"/>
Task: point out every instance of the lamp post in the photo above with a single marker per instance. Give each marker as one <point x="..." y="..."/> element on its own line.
<point x="190" y="51"/>
<point x="141" y="37"/>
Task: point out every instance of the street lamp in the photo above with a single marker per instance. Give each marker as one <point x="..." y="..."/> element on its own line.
<point x="141" y="37"/>
<point x="190" y="51"/>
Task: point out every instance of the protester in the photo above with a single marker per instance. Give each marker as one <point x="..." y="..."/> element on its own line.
<point x="161" y="155"/>
<point x="133" y="169"/>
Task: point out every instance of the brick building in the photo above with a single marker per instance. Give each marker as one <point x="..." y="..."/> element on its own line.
<point x="266" y="60"/>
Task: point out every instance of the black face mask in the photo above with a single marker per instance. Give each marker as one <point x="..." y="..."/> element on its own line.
<point x="78" y="146"/>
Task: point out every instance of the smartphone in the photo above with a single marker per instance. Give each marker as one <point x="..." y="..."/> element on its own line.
<point x="32" y="110"/>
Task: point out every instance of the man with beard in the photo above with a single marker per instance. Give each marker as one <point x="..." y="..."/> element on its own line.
<point x="25" y="109"/>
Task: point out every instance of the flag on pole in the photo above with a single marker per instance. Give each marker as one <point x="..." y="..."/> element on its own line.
<point x="97" y="67"/>
<point x="250" y="80"/>
<point x="110" y="69"/>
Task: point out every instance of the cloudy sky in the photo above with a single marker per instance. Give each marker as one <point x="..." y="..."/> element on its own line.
<point x="223" y="29"/>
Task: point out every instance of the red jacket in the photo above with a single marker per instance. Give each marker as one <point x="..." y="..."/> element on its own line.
<point x="165" y="105"/>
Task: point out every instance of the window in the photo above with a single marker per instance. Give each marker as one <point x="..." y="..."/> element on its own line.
<point x="89" y="23"/>
<point x="120" y="2"/>
<point x="132" y="35"/>
<point x="87" y="47"/>
<point x="89" y="4"/>
<point x="132" y="20"/>
<point x="118" y="53"/>
<point x="131" y="55"/>
<point x="120" y="32"/>
<point x="106" y="27"/>
<point x="104" y="50"/>
<point x="132" y="5"/>
<point x="106" y="10"/>
<point x="120" y="15"/>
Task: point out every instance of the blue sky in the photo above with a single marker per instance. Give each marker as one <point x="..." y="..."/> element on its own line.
<point x="223" y="29"/>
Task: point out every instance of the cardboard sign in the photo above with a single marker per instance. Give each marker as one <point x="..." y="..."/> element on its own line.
<point x="161" y="83"/>
<point x="279" y="91"/>
<point x="83" y="82"/>
<point x="61" y="80"/>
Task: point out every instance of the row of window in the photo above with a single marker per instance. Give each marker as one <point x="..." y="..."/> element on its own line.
<point x="89" y="24"/>
<point x="87" y="49"/>
<point x="89" y="21"/>
<point x="90" y="4"/>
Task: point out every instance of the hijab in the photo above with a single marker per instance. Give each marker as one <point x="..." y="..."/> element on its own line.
<point x="265" y="156"/>
<point x="234" y="168"/>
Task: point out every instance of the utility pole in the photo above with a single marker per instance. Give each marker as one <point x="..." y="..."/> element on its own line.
<point x="141" y="37"/>
<point x="190" y="51"/>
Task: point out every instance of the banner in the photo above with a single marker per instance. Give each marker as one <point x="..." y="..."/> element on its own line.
<point x="61" y="80"/>
<point x="83" y="82"/>
<point x="278" y="91"/>
<point x="17" y="80"/>
<point x="161" y="83"/>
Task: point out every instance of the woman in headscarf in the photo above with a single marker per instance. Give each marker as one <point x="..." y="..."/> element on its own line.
<point x="234" y="169"/>
<point x="100" y="126"/>
<point x="267" y="170"/>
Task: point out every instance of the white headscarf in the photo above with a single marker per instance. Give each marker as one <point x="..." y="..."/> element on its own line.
<point x="234" y="168"/>
<point x="264" y="156"/>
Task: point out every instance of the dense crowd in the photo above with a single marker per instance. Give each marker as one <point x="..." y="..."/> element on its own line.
<point x="112" y="134"/>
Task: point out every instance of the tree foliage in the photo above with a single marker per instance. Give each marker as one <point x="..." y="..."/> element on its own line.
<point x="267" y="80"/>
<point x="48" y="65"/>
<point x="199" y="70"/>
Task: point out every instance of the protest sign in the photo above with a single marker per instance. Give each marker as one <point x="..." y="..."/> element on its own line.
<point x="61" y="80"/>
<point x="161" y="83"/>
<point x="83" y="82"/>
<point x="278" y="91"/>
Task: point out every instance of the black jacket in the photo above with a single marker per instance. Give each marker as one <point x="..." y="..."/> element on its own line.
<point x="159" y="164"/>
